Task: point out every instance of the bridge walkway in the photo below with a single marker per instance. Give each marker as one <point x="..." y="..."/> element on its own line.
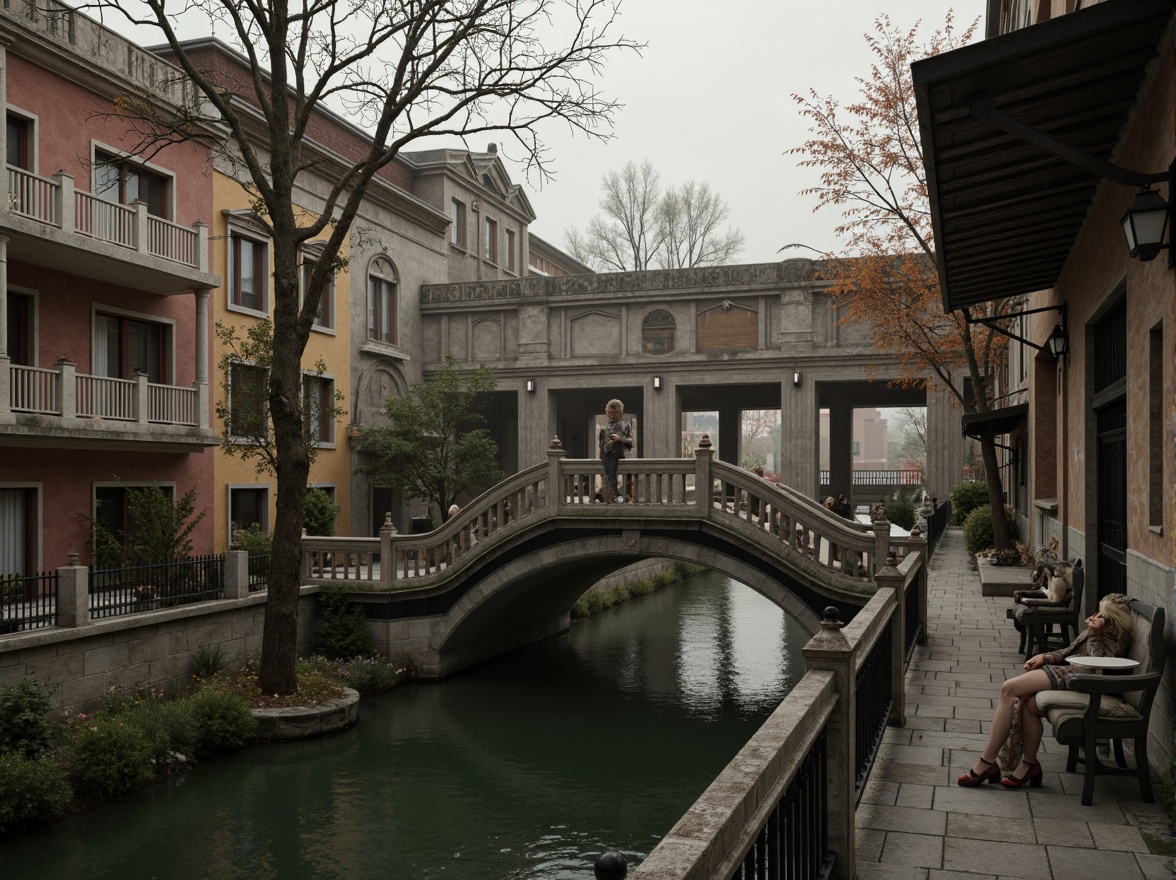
<point x="915" y="823"/>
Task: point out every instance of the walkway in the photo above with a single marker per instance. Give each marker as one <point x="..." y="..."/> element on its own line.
<point x="915" y="823"/>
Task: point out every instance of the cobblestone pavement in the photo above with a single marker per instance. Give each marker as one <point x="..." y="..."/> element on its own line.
<point x="915" y="823"/>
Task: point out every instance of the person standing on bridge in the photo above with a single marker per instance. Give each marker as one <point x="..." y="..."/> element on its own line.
<point x="614" y="439"/>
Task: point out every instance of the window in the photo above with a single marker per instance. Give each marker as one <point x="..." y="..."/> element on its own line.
<point x="491" y="240"/>
<point x="457" y="223"/>
<point x="112" y="514"/>
<point x="324" y="317"/>
<point x="382" y="302"/>
<point x="124" y="182"/>
<point x="248" y="506"/>
<point x="18" y="531"/>
<point x="248" y="402"/>
<point x="20" y="330"/>
<point x="657" y="332"/>
<point x="19" y="142"/>
<point x="318" y="402"/>
<point x="124" y="347"/>
<point x="248" y="265"/>
<point x="510" y="250"/>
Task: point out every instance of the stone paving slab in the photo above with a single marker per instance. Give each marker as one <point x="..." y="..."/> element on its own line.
<point x="915" y="823"/>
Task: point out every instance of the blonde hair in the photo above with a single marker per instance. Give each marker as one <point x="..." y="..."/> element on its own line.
<point x="614" y="404"/>
<point x="1116" y="611"/>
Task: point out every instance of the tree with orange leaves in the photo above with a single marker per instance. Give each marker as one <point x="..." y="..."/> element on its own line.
<point x="871" y="166"/>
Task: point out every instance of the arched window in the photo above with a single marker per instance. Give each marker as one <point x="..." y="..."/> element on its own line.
<point x="657" y="332"/>
<point x="382" y="301"/>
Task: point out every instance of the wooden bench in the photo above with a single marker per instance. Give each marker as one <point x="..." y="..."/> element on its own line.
<point x="1112" y="707"/>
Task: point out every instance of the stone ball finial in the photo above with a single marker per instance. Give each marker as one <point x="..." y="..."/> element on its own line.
<point x="916" y="531"/>
<point x="704" y="442"/>
<point x="891" y="559"/>
<point x="388" y="527"/>
<point x="555" y="443"/>
<point x="610" y="866"/>
<point x="831" y="618"/>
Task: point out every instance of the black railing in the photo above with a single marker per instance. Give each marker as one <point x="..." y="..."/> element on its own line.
<point x="874" y="699"/>
<point x="912" y="617"/>
<point x="259" y="567"/>
<point x="937" y="523"/>
<point x="880" y="478"/>
<point x="118" y="591"/>
<point x="794" y="842"/>
<point x="28" y="601"/>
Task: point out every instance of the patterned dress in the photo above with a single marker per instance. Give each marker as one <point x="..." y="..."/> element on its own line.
<point x="1086" y="645"/>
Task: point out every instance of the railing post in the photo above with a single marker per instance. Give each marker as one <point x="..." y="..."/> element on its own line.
<point x="6" y="416"/>
<point x="68" y="391"/>
<point x="555" y="489"/>
<point x="65" y="207"/>
<point x="73" y="594"/>
<point x="201" y="245"/>
<point x="890" y="576"/>
<point x="831" y="651"/>
<point x="142" y="399"/>
<point x="236" y="574"/>
<point x="921" y="586"/>
<point x="387" y="560"/>
<point x="881" y="543"/>
<point x="202" y="404"/>
<point x="703" y="487"/>
<point x="142" y="236"/>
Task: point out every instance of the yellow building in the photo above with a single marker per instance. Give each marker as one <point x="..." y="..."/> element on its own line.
<point x="242" y="256"/>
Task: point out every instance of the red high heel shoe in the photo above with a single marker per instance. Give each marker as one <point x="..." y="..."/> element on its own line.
<point x="1032" y="778"/>
<point x="991" y="775"/>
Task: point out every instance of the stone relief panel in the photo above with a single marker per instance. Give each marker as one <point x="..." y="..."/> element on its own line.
<point x="376" y="384"/>
<point x="487" y="335"/>
<point x="727" y="326"/>
<point x="595" y="333"/>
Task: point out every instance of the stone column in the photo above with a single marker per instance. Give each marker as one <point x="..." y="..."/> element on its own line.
<point x="68" y="390"/>
<point x="73" y="594"/>
<point x="800" y="427"/>
<point x="831" y="651"/>
<point x="703" y="485"/>
<point x="4" y="43"/>
<point x="555" y="490"/>
<point x="387" y="557"/>
<point x="236" y="574"/>
<point x="945" y="443"/>
<point x="201" y="336"/>
<point x="3" y="292"/>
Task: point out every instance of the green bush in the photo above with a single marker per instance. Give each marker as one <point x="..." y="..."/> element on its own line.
<point x="253" y="540"/>
<point x="110" y="758"/>
<point x="901" y="512"/>
<point x="978" y="529"/>
<point x="965" y="498"/>
<point x="223" y="722"/>
<point x="31" y="792"/>
<point x="320" y="513"/>
<point x="169" y="727"/>
<point x="664" y="579"/>
<point x="342" y="633"/>
<point x="24" y="725"/>
<point x="208" y="660"/>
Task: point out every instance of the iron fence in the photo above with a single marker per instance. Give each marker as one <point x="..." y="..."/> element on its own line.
<point x="259" y="568"/>
<point x="912" y="616"/>
<point x="937" y="523"/>
<point x="28" y="601"/>
<point x="118" y="591"/>
<point x="874" y="697"/>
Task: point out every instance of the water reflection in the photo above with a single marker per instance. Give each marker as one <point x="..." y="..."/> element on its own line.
<point x="526" y="768"/>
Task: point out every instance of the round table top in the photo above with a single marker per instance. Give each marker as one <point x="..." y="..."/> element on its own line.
<point x="1103" y="662"/>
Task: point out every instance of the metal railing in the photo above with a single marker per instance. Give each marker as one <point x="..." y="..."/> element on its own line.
<point x="913" y="611"/>
<point x="118" y="591"/>
<point x="874" y="696"/>
<point x="937" y="523"/>
<point x="259" y="568"/>
<point x="880" y="478"/>
<point x="28" y="601"/>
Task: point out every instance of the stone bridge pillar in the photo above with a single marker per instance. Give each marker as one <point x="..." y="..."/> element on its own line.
<point x="945" y="443"/>
<point x="800" y="425"/>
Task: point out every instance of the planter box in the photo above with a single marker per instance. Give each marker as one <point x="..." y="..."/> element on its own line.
<point x="1002" y="580"/>
<point x="298" y="723"/>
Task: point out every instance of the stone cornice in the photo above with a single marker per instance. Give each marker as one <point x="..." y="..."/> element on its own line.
<point x="706" y="281"/>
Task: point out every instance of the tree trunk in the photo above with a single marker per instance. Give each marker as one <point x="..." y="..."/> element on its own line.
<point x="1000" y="526"/>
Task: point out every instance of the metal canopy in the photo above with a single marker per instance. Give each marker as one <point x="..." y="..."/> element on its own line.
<point x="1005" y="212"/>
<point x="995" y="422"/>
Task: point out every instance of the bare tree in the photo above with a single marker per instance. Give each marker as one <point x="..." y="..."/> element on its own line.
<point x="691" y="218"/>
<point x="640" y="226"/>
<point x="912" y="421"/>
<point x="403" y="71"/>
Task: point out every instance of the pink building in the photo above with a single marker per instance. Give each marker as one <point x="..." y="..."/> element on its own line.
<point x="104" y="282"/>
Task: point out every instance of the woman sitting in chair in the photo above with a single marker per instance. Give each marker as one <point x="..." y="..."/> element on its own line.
<point x="1107" y="634"/>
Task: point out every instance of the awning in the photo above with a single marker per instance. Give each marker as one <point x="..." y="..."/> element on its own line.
<point x="995" y="422"/>
<point x="1005" y="212"/>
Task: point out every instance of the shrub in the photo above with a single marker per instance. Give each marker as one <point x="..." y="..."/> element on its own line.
<point x="24" y="725"/>
<point x="342" y="633"/>
<point x="170" y="728"/>
<point x="368" y="674"/>
<point x="664" y="579"/>
<point x="965" y="498"/>
<point x="208" y="660"/>
<point x="978" y="529"/>
<point x="110" y="758"/>
<point x="320" y="513"/>
<point x="901" y="512"/>
<point x="252" y="540"/>
<point x="31" y="792"/>
<point x="223" y="721"/>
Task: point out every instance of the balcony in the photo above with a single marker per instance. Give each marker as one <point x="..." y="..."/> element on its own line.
<point x="60" y="407"/>
<point x="52" y="224"/>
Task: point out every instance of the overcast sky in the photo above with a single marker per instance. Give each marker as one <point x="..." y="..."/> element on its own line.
<point x="710" y="100"/>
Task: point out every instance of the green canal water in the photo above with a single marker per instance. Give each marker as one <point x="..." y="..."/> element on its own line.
<point x="526" y="768"/>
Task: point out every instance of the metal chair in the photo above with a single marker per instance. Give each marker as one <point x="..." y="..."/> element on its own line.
<point x="1112" y="707"/>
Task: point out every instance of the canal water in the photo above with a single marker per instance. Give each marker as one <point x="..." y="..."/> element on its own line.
<point x="524" y="769"/>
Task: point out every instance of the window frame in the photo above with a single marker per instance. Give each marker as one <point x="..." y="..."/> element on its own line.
<point x="168" y="344"/>
<point x="457" y="223"/>
<point x="30" y="123"/>
<point x="491" y="250"/>
<point x="511" y="262"/>
<point x="374" y="299"/>
<point x="310" y="258"/>
<point x="168" y="487"/>
<point x="326" y="401"/>
<point x="261" y="264"/>
<point x="263" y="508"/>
<point x="247" y="367"/>
<point x="29" y="329"/>
<point x="34" y="522"/>
<point x="100" y="153"/>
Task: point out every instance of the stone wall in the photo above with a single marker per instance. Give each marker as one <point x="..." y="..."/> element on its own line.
<point x="647" y="569"/>
<point x="153" y="649"/>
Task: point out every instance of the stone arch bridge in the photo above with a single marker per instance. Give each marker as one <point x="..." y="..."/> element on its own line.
<point x="504" y="572"/>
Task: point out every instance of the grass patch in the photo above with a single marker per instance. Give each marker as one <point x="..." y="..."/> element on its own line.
<point x="595" y="601"/>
